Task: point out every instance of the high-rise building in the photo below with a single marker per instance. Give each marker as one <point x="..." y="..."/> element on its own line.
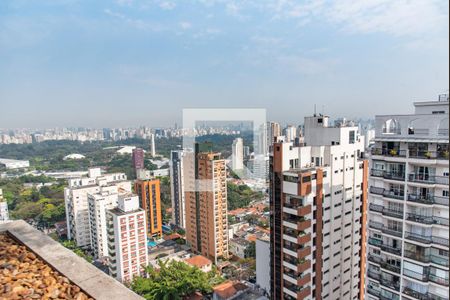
<point x="408" y="216"/>
<point x="206" y="204"/>
<point x="149" y="194"/>
<point x="152" y="145"/>
<point x="290" y="132"/>
<point x="127" y="239"/>
<point x="98" y="203"/>
<point x="137" y="157"/>
<point x="76" y="201"/>
<point x="237" y="156"/>
<point x="317" y="203"/>
<point x="273" y="131"/>
<point x="4" y="214"/>
<point x="177" y="188"/>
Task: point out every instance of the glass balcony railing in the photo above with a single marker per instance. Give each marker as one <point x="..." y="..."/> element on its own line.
<point x="388" y="152"/>
<point x="393" y="194"/>
<point x="428" y="199"/>
<point x="426" y="239"/>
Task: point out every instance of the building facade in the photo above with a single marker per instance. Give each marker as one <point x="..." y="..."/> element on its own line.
<point x="177" y="188"/>
<point x="98" y="203"/>
<point x="150" y="200"/>
<point x="237" y="154"/>
<point x="4" y="213"/>
<point x="127" y="239"/>
<point x="408" y="236"/>
<point x="76" y="201"/>
<point x="206" y="204"/>
<point x="317" y="203"/>
<point x="137" y="157"/>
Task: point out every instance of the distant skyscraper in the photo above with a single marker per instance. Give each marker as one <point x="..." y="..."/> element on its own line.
<point x="273" y="131"/>
<point x="4" y="214"/>
<point x="76" y="201"/>
<point x="206" y="207"/>
<point x="290" y="132"/>
<point x="152" y="145"/>
<point x="237" y="157"/>
<point x="127" y="239"/>
<point x="408" y="234"/>
<point x="137" y="157"/>
<point x="177" y="188"/>
<point x="246" y="151"/>
<point x="317" y="202"/>
<point x="150" y="200"/>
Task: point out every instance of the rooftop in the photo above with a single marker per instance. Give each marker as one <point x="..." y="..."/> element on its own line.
<point x="198" y="261"/>
<point x="54" y="266"/>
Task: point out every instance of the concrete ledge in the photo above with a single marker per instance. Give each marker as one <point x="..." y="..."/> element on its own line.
<point x="86" y="276"/>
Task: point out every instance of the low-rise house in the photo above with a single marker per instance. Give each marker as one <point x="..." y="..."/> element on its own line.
<point x="238" y="247"/>
<point x="200" y="262"/>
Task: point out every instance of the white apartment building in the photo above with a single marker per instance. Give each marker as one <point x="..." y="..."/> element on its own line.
<point x="127" y="239"/>
<point x="290" y="132"/>
<point x="237" y="154"/>
<point x="76" y="201"/>
<point x="177" y="188"/>
<point x="262" y="266"/>
<point x="4" y="213"/>
<point x="317" y="203"/>
<point x="98" y="203"/>
<point x="408" y="238"/>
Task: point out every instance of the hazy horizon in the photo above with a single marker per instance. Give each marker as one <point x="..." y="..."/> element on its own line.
<point x="79" y="63"/>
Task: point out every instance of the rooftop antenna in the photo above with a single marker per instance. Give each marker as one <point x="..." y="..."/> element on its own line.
<point x="314" y="110"/>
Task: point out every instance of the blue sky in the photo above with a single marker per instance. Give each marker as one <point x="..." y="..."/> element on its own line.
<point x="132" y="62"/>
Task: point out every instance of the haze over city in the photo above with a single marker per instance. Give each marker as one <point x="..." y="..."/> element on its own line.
<point x="131" y="62"/>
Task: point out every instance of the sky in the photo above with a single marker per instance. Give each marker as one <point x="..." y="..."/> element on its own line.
<point x="140" y="62"/>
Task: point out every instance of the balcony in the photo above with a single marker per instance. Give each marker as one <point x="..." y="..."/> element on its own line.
<point x="427" y="220"/>
<point x="375" y="225"/>
<point x="415" y="294"/>
<point x="302" y="253"/>
<point x="384" y="264"/>
<point x="426" y="239"/>
<point x="376" y="207"/>
<point x="304" y="279"/>
<point x="387" y="174"/>
<point x="395" y="285"/>
<point x="398" y="195"/>
<point x="438" y="279"/>
<point x="373" y="291"/>
<point x="374" y="275"/>
<point x="419" y="218"/>
<point x="386" y="248"/>
<point x="428" y="199"/>
<point x="393" y="213"/>
<point x="303" y="225"/>
<point x="392" y="231"/>
<point x="305" y="210"/>
<point x="303" y="265"/>
<point x="303" y="239"/>
<point x="388" y="152"/>
<point x="428" y="179"/>
<point x="415" y="275"/>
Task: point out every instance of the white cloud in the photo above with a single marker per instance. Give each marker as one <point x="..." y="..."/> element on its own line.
<point x="167" y="5"/>
<point x="185" y="25"/>
<point x="137" y="23"/>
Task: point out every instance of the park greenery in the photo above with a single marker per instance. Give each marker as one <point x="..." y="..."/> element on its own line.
<point x="174" y="280"/>
<point x="241" y="196"/>
<point x="44" y="205"/>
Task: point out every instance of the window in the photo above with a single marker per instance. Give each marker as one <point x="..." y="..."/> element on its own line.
<point x="445" y="193"/>
<point x="351" y="137"/>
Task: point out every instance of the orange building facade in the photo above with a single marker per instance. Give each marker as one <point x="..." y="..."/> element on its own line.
<point x="150" y="201"/>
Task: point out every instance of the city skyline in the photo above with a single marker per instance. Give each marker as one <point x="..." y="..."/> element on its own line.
<point x="77" y="64"/>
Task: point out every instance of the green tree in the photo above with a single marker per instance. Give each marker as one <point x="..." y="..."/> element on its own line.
<point x="172" y="281"/>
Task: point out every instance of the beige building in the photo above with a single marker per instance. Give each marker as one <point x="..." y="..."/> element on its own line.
<point x="206" y="204"/>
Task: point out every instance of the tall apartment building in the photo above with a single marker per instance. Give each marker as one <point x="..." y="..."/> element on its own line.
<point x="408" y="234"/>
<point x="290" y="132"/>
<point x="149" y="194"/>
<point x="152" y="145"/>
<point x="4" y="213"/>
<point x="98" y="203"/>
<point x="137" y="158"/>
<point x="76" y="201"/>
<point x="206" y="204"/>
<point x="237" y="154"/>
<point x="317" y="203"/>
<point x="177" y="188"/>
<point x="273" y="131"/>
<point x="127" y="239"/>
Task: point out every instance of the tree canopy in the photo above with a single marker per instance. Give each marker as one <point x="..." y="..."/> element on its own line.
<point x="174" y="280"/>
